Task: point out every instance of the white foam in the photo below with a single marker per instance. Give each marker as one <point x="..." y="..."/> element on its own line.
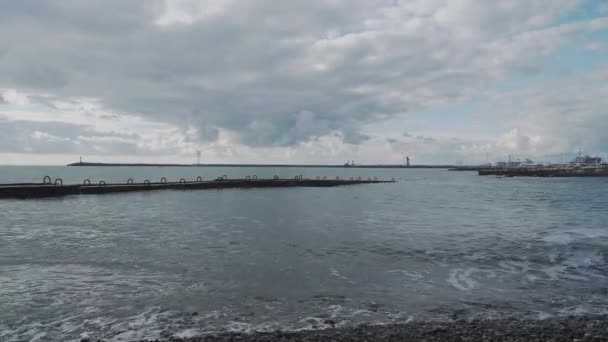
<point x="462" y="279"/>
<point x="584" y="259"/>
<point x="514" y="266"/>
<point x="334" y="272"/>
<point x="544" y="315"/>
<point x="410" y="274"/>
<point x="531" y="278"/>
<point x="579" y="266"/>
<point x="559" y="239"/>
<point x="361" y="312"/>
<point x="188" y="333"/>
<point x="557" y="272"/>
<point x="240" y="327"/>
<point x="583" y="311"/>
<point x="312" y="323"/>
<point x="335" y="310"/>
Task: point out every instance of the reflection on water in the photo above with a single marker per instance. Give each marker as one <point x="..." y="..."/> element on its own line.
<point x="436" y="245"/>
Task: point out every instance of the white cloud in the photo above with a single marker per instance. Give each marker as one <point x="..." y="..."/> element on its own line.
<point x="38" y="135"/>
<point x="291" y="80"/>
<point x="14" y="97"/>
<point x="178" y="12"/>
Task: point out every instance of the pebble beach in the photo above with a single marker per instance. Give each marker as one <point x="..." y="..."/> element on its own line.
<point x="571" y="329"/>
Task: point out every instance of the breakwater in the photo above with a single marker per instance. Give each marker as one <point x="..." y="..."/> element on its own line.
<point x="464" y="168"/>
<point x="548" y="171"/>
<point x="56" y="188"/>
<point x="362" y="166"/>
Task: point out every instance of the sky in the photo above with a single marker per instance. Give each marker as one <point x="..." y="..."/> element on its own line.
<point x="302" y="81"/>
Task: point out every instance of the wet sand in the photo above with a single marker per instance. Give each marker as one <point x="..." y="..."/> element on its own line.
<point x="564" y="329"/>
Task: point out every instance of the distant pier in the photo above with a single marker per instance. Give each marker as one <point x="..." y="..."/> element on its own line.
<point x="545" y="171"/>
<point x="56" y="188"/>
<point x="464" y="168"/>
<point x="362" y="166"/>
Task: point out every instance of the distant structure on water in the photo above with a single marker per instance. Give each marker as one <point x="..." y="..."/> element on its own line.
<point x="515" y="163"/>
<point x="578" y="161"/>
<point x="586" y="161"/>
<point x="581" y="166"/>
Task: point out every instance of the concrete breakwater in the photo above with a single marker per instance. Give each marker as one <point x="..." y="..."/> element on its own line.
<point x="547" y="171"/>
<point x="331" y="166"/>
<point x="56" y="188"/>
<point x="464" y="168"/>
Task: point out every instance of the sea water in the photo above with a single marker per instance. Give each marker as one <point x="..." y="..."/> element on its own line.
<point x="436" y="245"/>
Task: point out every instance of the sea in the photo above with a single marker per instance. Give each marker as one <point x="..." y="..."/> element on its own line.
<point x="436" y="245"/>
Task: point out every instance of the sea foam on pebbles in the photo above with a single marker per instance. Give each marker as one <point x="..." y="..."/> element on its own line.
<point x="581" y="329"/>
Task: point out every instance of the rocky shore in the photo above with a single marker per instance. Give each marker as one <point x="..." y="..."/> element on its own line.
<point x="573" y="329"/>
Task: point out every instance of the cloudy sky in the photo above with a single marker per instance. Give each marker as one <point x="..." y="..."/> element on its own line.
<point x="310" y="81"/>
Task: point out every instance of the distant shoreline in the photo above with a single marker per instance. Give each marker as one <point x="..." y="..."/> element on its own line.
<point x="379" y="166"/>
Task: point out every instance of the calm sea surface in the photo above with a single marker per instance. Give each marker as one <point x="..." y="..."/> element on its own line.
<point x="435" y="245"/>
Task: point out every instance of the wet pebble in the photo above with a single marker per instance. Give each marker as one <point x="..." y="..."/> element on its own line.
<point x="508" y="330"/>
